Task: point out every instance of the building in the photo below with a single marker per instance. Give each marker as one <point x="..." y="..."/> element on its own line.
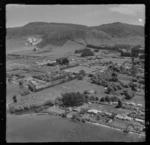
<point x="62" y="61"/>
<point x="118" y="116"/>
<point x="140" y="120"/>
<point x="94" y="111"/>
<point x="128" y="118"/>
<point x="139" y="105"/>
<point x="107" y="113"/>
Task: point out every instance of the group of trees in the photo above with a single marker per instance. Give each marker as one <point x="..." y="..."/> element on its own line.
<point x="81" y="74"/>
<point x="15" y="108"/>
<point x="104" y="78"/>
<point x="87" y="52"/>
<point x="128" y="94"/>
<point x="112" y="99"/>
<point x="72" y="99"/>
<point x="109" y="99"/>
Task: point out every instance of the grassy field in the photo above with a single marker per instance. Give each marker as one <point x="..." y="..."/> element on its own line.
<point x="53" y="92"/>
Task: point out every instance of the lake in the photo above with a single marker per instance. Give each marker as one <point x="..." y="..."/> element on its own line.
<point x="47" y="128"/>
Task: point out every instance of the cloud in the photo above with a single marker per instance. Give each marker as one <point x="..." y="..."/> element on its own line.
<point x="132" y="10"/>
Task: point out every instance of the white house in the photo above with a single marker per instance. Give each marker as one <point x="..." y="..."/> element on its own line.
<point x="119" y="116"/>
<point x="94" y="111"/>
<point x="139" y="105"/>
<point x="140" y="120"/>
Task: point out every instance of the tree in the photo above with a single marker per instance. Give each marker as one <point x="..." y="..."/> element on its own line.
<point x="80" y="77"/>
<point x="87" y="52"/>
<point x="76" y="51"/>
<point x="72" y="99"/>
<point x="96" y="98"/>
<point x="133" y="86"/>
<point x="21" y="84"/>
<point x="102" y="99"/>
<point x="114" y="77"/>
<point x="128" y="95"/>
<point x="14" y="99"/>
<point x="134" y="70"/>
<point x="82" y="72"/>
<point x="119" y="104"/>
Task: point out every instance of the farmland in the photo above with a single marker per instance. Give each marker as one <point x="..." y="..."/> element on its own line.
<point x="106" y="83"/>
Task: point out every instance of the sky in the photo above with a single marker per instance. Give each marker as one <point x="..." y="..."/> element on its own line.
<point x="89" y="15"/>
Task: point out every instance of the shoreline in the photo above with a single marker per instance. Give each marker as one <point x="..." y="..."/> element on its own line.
<point x="115" y="128"/>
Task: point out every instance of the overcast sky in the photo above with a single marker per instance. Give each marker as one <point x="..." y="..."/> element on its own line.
<point x="90" y="15"/>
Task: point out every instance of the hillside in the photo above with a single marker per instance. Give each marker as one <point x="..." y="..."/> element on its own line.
<point x="59" y="33"/>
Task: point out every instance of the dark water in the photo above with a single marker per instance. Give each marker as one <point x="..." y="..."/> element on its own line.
<point x="46" y="128"/>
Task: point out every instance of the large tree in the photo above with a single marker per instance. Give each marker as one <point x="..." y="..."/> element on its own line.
<point x="72" y="99"/>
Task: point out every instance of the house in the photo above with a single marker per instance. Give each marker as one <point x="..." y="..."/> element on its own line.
<point x="131" y="103"/>
<point x="115" y="103"/>
<point x="108" y="113"/>
<point x="78" y="109"/>
<point x="94" y="111"/>
<point x="140" y="120"/>
<point x="110" y="121"/>
<point x="119" y="116"/>
<point x="128" y="118"/>
<point x="139" y="105"/>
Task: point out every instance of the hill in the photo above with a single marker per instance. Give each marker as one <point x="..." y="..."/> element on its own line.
<point x="59" y="33"/>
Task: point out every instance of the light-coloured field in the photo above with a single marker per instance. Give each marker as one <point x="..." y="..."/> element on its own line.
<point x="53" y="92"/>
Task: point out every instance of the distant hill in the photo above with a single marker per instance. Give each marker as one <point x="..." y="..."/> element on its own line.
<point x="59" y="33"/>
<point x="118" y="29"/>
